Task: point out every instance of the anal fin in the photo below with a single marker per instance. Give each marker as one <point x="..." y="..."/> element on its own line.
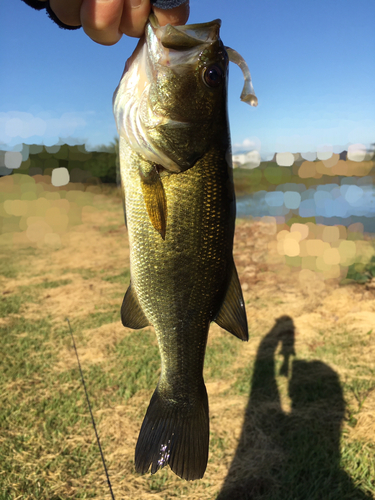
<point x="232" y="314"/>
<point x="156" y="203"/>
<point x="132" y="315"/>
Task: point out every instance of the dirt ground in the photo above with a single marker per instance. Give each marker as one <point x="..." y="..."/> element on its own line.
<point x="332" y="323"/>
<point x="272" y="290"/>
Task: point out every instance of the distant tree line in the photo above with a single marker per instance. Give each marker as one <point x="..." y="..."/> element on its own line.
<point x="83" y="166"/>
<point x="102" y="165"/>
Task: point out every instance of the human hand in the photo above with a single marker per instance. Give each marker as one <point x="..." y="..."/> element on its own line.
<point x="105" y="21"/>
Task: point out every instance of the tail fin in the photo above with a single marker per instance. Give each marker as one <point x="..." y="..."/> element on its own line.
<point x="171" y="434"/>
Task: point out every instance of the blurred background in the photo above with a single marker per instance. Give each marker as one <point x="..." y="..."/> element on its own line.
<point x="303" y="159"/>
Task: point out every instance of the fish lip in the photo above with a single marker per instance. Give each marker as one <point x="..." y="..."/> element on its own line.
<point x="185" y="27"/>
<point x="185" y="36"/>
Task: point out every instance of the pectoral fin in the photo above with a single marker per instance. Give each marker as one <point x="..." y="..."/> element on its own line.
<point x="156" y="203"/>
<point x="232" y="314"/>
<point x="132" y="315"/>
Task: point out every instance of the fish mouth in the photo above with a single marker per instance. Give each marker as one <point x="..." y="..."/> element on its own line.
<point x="178" y="47"/>
<point x="186" y="37"/>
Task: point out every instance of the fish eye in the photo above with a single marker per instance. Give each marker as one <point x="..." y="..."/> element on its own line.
<point x="213" y="75"/>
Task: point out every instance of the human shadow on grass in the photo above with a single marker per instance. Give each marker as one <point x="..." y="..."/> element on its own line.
<point x="293" y="456"/>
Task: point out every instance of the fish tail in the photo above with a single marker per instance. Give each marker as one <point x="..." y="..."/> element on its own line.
<point x="172" y="434"/>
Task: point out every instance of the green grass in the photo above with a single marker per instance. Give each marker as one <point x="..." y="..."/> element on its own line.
<point x="13" y="263"/>
<point x="47" y="445"/>
<point x="360" y="388"/>
<point x="138" y="356"/>
<point x="18" y="338"/>
<point x="41" y="408"/>
<point x="7" y="270"/>
<point x="133" y="365"/>
<point x="217" y="365"/>
<point x="37" y="404"/>
<point x="85" y="273"/>
<point x="12" y="301"/>
<point x="10" y="304"/>
<point x="53" y="284"/>
<point x="362" y="273"/>
<point x="35" y="411"/>
<point x="123" y="277"/>
<point x="307" y="455"/>
<point x="158" y="482"/>
<point x="98" y="319"/>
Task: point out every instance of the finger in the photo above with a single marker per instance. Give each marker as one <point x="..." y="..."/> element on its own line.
<point x="177" y="16"/>
<point x="68" y="11"/>
<point x="134" y="17"/>
<point x="101" y="19"/>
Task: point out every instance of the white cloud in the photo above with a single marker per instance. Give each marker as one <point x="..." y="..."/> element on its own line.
<point x="251" y="159"/>
<point x="46" y="128"/>
<point x="248" y="144"/>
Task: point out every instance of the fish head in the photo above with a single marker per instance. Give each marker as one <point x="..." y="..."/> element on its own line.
<point x="189" y="90"/>
<point x="171" y="103"/>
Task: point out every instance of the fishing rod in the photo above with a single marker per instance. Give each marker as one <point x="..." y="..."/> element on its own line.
<point x="92" y="416"/>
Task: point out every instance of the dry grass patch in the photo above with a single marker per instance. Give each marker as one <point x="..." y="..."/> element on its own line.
<point x="291" y="411"/>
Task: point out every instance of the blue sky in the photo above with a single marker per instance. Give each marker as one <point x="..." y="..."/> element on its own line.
<point x="312" y="65"/>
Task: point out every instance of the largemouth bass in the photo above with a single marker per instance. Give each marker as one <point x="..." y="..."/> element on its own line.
<point x="176" y="175"/>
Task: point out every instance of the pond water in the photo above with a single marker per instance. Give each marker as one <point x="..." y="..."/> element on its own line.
<point x="330" y="204"/>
